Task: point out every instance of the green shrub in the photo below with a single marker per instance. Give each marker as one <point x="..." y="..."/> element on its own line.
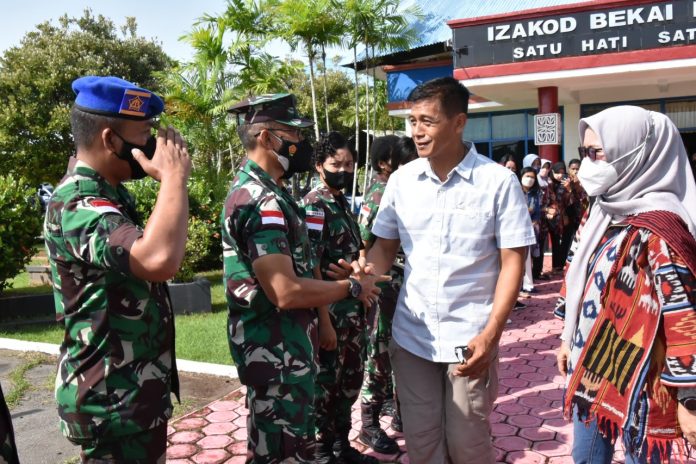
<point x="19" y="227"/>
<point x="207" y="193"/>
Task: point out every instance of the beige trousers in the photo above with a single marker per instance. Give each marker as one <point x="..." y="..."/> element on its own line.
<point x="446" y="418"/>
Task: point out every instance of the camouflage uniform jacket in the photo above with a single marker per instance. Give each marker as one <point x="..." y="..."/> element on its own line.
<point x="334" y="235"/>
<point x="268" y="345"/>
<point x="370" y="206"/>
<point x="368" y="213"/>
<point x="116" y="368"/>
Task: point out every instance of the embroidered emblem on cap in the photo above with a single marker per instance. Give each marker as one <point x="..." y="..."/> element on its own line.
<point x="135" y="102"/>
<point x="292" y="149"/>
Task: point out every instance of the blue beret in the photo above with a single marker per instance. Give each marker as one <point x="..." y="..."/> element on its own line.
<point x="114" y="97"/>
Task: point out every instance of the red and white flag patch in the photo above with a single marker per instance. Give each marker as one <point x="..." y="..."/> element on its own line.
<point x="315" y="223"/>
<point x="103" y="206"/>
<point x="365" y="210"/>
<point x="272" y="217"/>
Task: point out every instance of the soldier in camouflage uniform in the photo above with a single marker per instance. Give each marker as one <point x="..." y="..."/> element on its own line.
<point x="116" y="368"/>
<point x="335" y="235"/>
<point x="270" y="289"/>
<point x="8" y="447"/>
<point x="387" y="154"/>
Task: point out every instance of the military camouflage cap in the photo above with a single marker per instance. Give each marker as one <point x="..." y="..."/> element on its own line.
<point x="278" y="107"/>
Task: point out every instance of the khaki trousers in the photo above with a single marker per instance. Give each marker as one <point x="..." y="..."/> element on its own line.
<point x="446" y="418"/>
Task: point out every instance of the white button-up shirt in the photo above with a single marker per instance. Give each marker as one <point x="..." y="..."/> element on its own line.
<point x="451" y="233"/>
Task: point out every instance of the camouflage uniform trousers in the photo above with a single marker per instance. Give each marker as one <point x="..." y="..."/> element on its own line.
<point x="147" y="447"/>
<point x="379" y="384"/>
<point x="339" y="381"/>
<point x="280" y="425"/>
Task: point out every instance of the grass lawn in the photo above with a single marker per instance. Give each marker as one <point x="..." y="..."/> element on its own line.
<point x="199" y="337"/>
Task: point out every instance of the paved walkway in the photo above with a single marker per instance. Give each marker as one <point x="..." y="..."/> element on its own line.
<point x="527" y="422"/>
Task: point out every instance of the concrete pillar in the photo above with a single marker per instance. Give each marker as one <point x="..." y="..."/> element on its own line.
<point x="548" y="103"/>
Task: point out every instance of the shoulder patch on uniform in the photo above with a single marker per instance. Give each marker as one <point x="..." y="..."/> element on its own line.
<point x="365" y="210"/>
<point x="315" y="222"/>
<point x="272" y="217"/>
<point x="101" y="206"/>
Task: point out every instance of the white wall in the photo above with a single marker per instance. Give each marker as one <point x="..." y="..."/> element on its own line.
<point x="571" y="139"/>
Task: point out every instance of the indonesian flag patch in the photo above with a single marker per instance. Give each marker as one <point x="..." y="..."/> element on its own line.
<point x="272" y="217"/>
<point x="102" y="206"/>
<point x="315" y="223"/>
<point x="365" y="210"/>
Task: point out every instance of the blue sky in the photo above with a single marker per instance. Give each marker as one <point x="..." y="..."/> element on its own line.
<point x="165" y="21"/>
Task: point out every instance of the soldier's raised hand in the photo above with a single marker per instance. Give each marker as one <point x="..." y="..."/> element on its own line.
<point x="171" y="156"/>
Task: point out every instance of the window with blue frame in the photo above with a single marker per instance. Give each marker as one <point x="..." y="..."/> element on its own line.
<point x="500" y="134"/>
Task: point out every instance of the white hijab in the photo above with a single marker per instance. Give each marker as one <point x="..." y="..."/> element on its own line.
<point x="528" y="160"/>
<point x="544" y="180"/>
<point x="658" y="180"/>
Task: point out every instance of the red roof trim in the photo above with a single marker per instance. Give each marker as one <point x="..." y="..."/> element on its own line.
<point x="546" y="11"/>
<point x="576" y="62"/>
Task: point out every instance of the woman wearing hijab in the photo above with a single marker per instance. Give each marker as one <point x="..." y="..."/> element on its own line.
<point x="629" y="342"/>
<point x="532" y="161"/>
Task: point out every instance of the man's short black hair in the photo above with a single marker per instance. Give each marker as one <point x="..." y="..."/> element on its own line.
<point x="381" y="150"/>
<point x="574" y="161"/>
<point x="87" y="126"/>
<point x="453" y="96"/>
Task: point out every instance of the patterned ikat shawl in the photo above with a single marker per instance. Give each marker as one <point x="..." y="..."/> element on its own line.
<point x="643" y="341"/>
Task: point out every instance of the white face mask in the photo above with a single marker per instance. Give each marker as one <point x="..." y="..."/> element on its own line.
<point x="596" y="177"/>
<point x="528" y="182"/>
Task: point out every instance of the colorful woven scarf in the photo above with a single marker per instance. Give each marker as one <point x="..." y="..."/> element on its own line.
<point x="618" y="376"/>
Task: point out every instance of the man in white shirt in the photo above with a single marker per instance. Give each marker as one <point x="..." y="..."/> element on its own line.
<point x="464" y="226"/>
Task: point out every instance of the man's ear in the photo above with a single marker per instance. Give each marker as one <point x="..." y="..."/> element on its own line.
<point x="461" y="120"/>
<point x="264" y="139"/>
<point x="107" y="136"/>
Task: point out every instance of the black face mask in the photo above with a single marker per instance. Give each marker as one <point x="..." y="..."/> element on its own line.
<point x="126" y="154"/>
<point x="338" y="180"/>
<point x="297" y="154"/>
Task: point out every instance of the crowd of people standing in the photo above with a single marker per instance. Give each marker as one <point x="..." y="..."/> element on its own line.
<point x="415" y="292"/>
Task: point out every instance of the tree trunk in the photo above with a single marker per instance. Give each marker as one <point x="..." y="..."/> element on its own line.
<point x="326" y="94"/>
<point x="314" y="93"/>
<point x="357" y="126"/>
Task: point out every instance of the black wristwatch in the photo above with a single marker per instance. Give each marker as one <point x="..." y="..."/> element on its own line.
<point x="355" y="289"/>
<point x="689" y="403"/>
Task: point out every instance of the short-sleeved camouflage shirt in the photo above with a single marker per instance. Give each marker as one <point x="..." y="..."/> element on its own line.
<point x="268" y="345"/>
<point x="370" y="206"/>
<point x="334" y="235"/>
<point x="366" y="219"/>
<point x="115" y="370"/>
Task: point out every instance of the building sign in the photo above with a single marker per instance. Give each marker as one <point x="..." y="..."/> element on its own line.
<point x="547" y="129"/>
<point x="639" y="27"/>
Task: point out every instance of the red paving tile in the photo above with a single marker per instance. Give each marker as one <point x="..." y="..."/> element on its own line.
<point x="527" y="424"/>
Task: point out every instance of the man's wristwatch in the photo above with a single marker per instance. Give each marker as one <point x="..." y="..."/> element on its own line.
<point x="354" y="289"/>
<point x="689" y="402"/>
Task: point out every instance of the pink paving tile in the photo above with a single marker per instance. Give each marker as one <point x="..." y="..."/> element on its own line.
<point x="526" y="457"/>
<point x="181" y="451"/>
<point x="238" y="448"/>
<point x="185" y="437"/>
<point x="511" y="443"/>
<point x="214" y="442"/>
<point x="552" y="448"/>
<point x="499" y="454"/>
<point x="219" y="428"/>
<point x="178" y="461"/>
<point x="241" y="421"/>
<point x="525" y="420"/>
<point x="211" y="457"/>
<point x="557" y="424"/>
<point x="533" y="377"/>
<point x="190" y="424"/>
<point x="535" y="402"/>
<point x="200" y="413"/>
<point x="561" y="460"/>
<point x="240" y="434"/>
<point x="222" y="416"/>
<point x="236" y="460"/>
<point x="537" y="433"/>
<point x="496" y="417"/>
<point x="224" y="405"/>
<point x="512" y="382"/>
<point x="510" y="409"/>
<point x="503" y="430"/>
<point x="170" y="430"/>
